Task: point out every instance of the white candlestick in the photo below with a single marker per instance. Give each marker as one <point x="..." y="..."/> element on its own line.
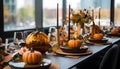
<point x="6" y="44"/>
<point x="57" y="22"/>
<point x="69" y="23"/>
<point x="14" y="36"/>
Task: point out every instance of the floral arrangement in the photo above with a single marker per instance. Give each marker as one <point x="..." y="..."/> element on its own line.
<point x="80" y="16"/>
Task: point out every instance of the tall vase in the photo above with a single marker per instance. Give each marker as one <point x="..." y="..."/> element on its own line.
<point x="80" y="28"/>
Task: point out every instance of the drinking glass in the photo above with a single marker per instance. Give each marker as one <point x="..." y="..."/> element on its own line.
<point x="18" y="38"/>
<point x="9" y="47"/>
<point x="52" y="36"/>
<point x="84" y="34"/>
<point x="105" y="29"/>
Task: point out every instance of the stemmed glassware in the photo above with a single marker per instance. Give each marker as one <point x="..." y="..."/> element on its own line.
<point x="105" y="29"/>
<point x="18" y="38"/>
<point x="85" y="34"/>
<point x="9" y="48"/>
<point x="52" y="36"/>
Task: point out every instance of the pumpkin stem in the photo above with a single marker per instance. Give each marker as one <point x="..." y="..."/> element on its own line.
<point x="36" y="32"/>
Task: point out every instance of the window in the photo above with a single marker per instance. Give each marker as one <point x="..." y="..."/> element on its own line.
<point x="50" y="12"/>
<point x="18" y="14"/>
<point x="74" y="4"/>
<point x="99" y="6"/>
<point x="117" y="11"/>
<point x="102" y="12"/>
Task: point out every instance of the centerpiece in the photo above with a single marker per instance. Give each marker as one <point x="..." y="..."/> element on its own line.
<point x="79" y="18"/>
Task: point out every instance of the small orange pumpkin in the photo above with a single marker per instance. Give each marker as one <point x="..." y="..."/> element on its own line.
<point x="95" y="29"/>
<point x="32" y="57"/>
<point x="74" y="43"/>
<point x="115" y="31"/>
<point x="98" y="36"/>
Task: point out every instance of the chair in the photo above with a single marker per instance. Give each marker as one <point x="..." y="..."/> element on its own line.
<point x="111" y="59"/>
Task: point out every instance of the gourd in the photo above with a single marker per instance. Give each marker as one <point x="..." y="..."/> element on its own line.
<point x="95" y="29"/>
<point x="98" y="36"/>
<point x="32" y="57"/>
<point x="38" y="41"/>
<point x="74" y="43"/>
<point x="115" y="31"/>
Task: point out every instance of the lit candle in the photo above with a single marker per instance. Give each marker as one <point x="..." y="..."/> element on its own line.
<point x="69" y="24"/>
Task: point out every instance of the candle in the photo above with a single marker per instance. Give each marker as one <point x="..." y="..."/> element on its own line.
<point x="69" y="24"/>
<point x="14" y="36"/>
<point x="93" y="14"/>
<point x="6" y="44"/>
<point x="99" y="16"/>
<point x="58" y="24"/>
<point x="57" y="15"/>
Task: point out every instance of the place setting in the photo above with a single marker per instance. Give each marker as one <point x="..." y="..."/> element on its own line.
<point x="21" y="61"/>
<point x="65" y="51"/>
<point x="98" y="39"/>
<point x="36" y="45"/>
<point x="72" y="48"/>
<point x="29" y="54"/>
<point x="114" y="33"/>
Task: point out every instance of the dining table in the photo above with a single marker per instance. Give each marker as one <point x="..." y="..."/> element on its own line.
<point x="69" y="62"/>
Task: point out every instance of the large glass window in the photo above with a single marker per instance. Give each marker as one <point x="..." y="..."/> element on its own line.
<point x="101" y="9"/>
<point x="74" y="4"/>
<point x="18" y="14"/>
<point x="117" y="11"/>
<point x="102" y="12"/>
<point x="50" y="12"/>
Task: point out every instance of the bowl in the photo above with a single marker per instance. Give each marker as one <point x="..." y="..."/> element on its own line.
<point x="74" y="50"/>
<point x="104" y="40"/>
<point x="109" y="34"/>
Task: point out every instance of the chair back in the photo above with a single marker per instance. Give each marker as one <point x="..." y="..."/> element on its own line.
<point x="111" y="59"/>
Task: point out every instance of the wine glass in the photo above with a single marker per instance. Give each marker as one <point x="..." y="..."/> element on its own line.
<point x="52" y="36"/>
<point x="85" y="34"/>
<point x="9" y="47"/>
<point x="18" y="38"/>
